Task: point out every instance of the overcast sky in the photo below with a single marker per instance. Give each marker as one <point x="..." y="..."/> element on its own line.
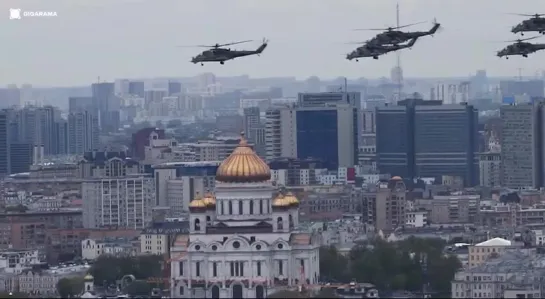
<point x="139" y="38"/>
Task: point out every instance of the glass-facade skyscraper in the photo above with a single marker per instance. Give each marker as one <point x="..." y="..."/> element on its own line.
<point x="419" y="138"/>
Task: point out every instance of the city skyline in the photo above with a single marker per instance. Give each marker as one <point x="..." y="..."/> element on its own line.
<point x="139" y="38"/>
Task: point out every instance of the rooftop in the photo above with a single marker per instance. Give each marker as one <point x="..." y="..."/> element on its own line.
<point x="495" y="242"/>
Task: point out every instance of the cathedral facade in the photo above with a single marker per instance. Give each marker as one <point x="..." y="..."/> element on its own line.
<point x="243" y="240"/>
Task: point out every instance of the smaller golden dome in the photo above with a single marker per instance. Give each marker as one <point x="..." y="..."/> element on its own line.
<point x="197" y="203"/>
<point x="209" y="200"/>
<point x="281" y="202"/>
<point x="396" y="178"/>
<point x="88" y="277"/>
<point x="291" y="198"/>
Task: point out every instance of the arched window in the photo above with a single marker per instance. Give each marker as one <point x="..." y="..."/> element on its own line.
<point x="251" y="207"/>
<point x="197" y="225"/>
<point x="261" y="207"/>
<point x="291" y="221"/>
<point x="280" y="223"/>
<point x="230" y="207"/>
<point x="240" y="210"/>
<point x="208" y="220"/>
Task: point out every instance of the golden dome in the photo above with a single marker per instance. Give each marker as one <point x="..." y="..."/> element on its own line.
<point x="291" y="198"/>
<point x="197" y="203"/>
<point x="396" y="178"/>
<point x="243" y="166"/>
<point x="209" y="200"/>
<point x="281" y="202"/>
<point x="88" y="277"/>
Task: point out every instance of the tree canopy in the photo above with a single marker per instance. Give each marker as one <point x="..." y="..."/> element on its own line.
<point x="138" y="288"/>
<point x="70" y="287"/>
<point x="393" y="265"/>
<point x="109" y="269"/>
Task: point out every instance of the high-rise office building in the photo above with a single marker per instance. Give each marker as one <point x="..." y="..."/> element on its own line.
<point x="325" y="133"/>
<point x="20" y="156"/>
<point x="4" y="144"/>
<point x="251" y="121"/>
<point x="76" y="104"/>
<point x="136" y="88"/>
<point x="61" y="130"/>
<point x="107" y="104"/>
<point x="35" y="126"/>
<point x="10" y="97"/>
<point x="522" y="145"/>
<point x="419" y="138"/>
<point x="83" y="132"/>
<point x="174" y="88"/>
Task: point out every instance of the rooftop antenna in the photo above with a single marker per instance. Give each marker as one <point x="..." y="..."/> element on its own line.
<point x="398" y="65"/>
<point x="520" y="74"/>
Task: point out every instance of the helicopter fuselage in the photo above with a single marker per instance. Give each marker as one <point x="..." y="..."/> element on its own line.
<point x="370" y="50"/>
<point x="520" y="49"/>
<point x="223" y="54"/>
<point x="531" y="25"/>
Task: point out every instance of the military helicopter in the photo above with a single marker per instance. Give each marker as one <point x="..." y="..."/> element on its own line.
<point x="220" y="54"/>
<point x="535" y="24"/>
<point x="373" y="50"/>
<point x="520" y="47"/>
<point x="390" y="36"/>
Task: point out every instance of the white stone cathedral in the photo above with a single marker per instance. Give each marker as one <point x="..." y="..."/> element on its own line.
<point x="243" y="241"/>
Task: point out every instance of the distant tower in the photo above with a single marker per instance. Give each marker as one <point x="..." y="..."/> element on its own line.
<point x="396" y="74"/>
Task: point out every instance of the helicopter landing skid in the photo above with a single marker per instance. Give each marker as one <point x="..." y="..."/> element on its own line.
<point x="222" y="62"/>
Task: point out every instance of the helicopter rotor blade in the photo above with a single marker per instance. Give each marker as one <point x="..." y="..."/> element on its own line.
<point x="234" y="43"/>
<point x="537" y="15"/>
<point x="390" y="28"/>
<point x="521" y="39"/>
<point x="196" y="46"/>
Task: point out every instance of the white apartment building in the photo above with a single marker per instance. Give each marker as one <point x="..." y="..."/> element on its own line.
<point x="92" y="249"/>
<point x="120" y="202"/>
<point x="417" y="218"/>
<point x="44" y="282"/>
<point x="15" y="261"/>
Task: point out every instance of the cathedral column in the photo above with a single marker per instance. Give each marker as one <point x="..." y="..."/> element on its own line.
<point x="290" y="270"/>
<point x="189" y="273"/>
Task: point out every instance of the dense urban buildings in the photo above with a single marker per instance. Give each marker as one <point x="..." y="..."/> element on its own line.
<point x="138" y="167"/>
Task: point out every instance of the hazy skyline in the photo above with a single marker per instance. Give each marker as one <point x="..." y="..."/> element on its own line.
<point x="139" y="38"/>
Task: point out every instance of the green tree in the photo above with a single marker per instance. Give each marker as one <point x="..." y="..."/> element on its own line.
<point x="139" y="288"/>
<point x="109" y="269"/>
<point x="333" y="266"/>
<point x="70" y="287"/>
<point x="406" y="264"/>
